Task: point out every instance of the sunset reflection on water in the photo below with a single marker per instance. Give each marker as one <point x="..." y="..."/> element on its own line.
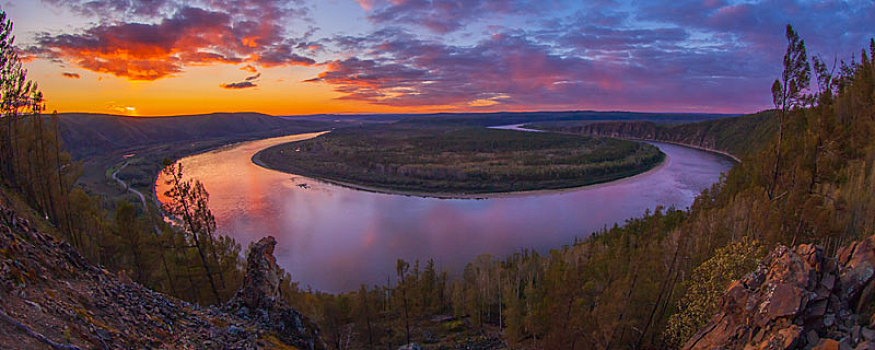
<point x="335" y="238"/>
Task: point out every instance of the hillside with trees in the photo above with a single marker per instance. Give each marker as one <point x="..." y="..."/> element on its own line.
<point x="656" y="280"/>
<point x="737" y="136"/>
<point x="651" y="283"/>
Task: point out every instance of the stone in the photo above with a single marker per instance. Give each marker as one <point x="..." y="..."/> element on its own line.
<point x="262" y="280"/>
<point x="260" y="301"/>
<point x="785" y="301"/>
<point x="829" y="320"/>
<point x="817" y="309"/>
<point x="867" y="333"/>
<point x="826" y="344"/>
<point x="812" y="337"/>
<point x="797" y="297"/>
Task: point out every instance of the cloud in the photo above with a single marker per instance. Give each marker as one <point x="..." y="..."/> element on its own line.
<point x="831" y="26"/>
<point x="238" y="85"/>
<point x="486" y="54"/>
<point x="614" y="70"/>
<point x="282" y="55"/>
<point x="248" y="82"/>
<point x="70" y="75"/>
<point x="113" y="8"/>
<point x="366" y="5"/>
<point x="444" y="16"/>
<point x="224" y="32"/>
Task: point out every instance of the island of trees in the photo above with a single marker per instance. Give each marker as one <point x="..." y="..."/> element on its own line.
<point x="460" y="160"/>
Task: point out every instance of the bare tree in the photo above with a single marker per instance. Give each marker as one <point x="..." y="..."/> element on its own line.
<point x="188" y="199"/>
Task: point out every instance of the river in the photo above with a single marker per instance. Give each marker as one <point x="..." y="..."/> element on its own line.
<point x="335" y="238"/>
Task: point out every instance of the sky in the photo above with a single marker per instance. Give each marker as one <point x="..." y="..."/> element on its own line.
<point x="293" y="57"/>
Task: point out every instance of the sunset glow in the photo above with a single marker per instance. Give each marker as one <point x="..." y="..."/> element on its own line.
<point x="288" y="57"/>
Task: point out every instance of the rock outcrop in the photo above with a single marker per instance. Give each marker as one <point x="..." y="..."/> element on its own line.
<point x="259" y="300"/>
<point x="798" y="298"/>
<point x="51" y="297"/>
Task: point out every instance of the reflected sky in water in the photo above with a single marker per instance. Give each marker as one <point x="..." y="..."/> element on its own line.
<point x="334" y="238"/>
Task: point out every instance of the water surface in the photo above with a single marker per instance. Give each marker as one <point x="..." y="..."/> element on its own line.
<point x="335" y="238"/>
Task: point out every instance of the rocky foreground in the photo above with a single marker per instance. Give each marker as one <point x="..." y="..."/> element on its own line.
<point x="798" y="298"/>
<point x="50" y="297"/>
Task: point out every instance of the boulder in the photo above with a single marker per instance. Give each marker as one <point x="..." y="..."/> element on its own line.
<point x="797" y="298"/>
<point x="259" y="299"/>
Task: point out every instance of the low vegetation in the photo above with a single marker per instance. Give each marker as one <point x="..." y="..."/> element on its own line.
<point x="461" y="160"/>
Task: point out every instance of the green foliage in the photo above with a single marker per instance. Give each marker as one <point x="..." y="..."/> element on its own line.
<point x="706" y="286"/>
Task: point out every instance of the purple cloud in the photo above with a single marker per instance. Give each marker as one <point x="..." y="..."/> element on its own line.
<point x="239" y="85"/>
<point x="443" y="16"/>
<point x="514" y="71"/>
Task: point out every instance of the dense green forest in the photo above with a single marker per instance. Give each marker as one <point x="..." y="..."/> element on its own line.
<point x="466" y="160"/>
<point x="646" y="284"/>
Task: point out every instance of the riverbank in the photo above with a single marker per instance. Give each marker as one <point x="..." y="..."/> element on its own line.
<point x="666" y="161"/>
<point x="466" y="163"/>
<point x="325" y="224"/>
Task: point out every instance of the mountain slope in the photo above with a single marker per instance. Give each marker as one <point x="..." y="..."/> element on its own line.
<point x="51" y="296"/>
<point x="89" y="134"/>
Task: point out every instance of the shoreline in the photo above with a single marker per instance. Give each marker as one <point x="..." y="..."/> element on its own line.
<point x="255" y="159"/>
<point x="700" y="148"/>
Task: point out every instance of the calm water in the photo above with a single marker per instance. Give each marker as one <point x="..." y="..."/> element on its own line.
<point x="334" y="238"/>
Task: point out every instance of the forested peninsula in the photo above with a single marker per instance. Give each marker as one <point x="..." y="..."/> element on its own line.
<point x="447" y="161"/>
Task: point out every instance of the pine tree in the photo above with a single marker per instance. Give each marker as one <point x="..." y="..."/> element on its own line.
<point x="788" y="93"/>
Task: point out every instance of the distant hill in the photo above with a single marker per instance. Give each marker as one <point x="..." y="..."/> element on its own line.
<point x="93" y="134"/>
<point x="87" y="134"/>
<point x="504" y="118"/>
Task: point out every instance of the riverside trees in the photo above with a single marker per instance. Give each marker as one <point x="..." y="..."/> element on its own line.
<point x="651" y="282"/>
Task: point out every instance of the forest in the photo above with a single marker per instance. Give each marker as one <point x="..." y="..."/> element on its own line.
<point x="648" y="283"/>
<point x="735" y="136"/>
<point x="460" y="160"/>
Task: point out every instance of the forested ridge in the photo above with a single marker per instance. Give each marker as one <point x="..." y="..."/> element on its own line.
<point x="737" y="136"/>
<point x="650" y="283"/>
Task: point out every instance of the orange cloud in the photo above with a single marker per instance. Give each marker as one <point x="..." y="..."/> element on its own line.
<point x="191" y="37"/>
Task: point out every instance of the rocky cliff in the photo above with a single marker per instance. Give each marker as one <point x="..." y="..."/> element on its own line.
<point x="799" y="298"/>
<point x="259" y="300"/>
<point x="50" y="297"/>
